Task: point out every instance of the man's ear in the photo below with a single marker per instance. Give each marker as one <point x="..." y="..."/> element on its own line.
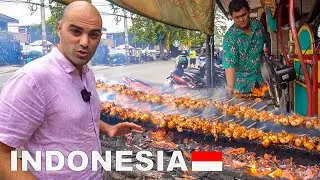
<point x="59" y="27"/>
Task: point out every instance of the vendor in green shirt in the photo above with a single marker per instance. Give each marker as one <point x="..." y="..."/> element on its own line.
<point x="242" y="49"/>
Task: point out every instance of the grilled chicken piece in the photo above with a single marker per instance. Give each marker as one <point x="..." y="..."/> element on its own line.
<point x="228" y="132"/>
<point x="145" y="117"/>
<point x="309" y="144"/>
<point x="298" y="142"/>
<point x="266" y="142"/>
<point x="284" y="121"/>
<point x="296" y="120"/>
<point x="286" y="138"/>
<point x="238" y="131"/>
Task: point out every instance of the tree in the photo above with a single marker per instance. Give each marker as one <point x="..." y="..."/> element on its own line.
<point x="220" y="27"/>
<point x="147" y="31"/>
<point x="56" y="10"/>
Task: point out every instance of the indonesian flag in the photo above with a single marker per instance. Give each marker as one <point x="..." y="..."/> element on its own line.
<point x="206" y="161"/>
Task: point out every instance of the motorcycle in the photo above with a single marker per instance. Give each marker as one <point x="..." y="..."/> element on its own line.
<point x="191" y="78"/>
<point x="146" y="86"/>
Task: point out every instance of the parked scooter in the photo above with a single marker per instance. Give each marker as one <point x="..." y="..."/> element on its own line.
<point x="146" y="86"/>
<point x="191" y="78"/>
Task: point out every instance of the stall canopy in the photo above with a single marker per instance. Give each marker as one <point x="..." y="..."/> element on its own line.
<point x="188" y="14"/>
<point x="194" y="14"/>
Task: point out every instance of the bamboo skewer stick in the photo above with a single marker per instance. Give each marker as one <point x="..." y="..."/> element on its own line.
<point x="218" y="95"/>
<point x="262" y="128"/>
<point x="250" y="126"/>
<point x="230" y="120"/>
<point x="220" y="99"/>
<point x="263" y="107"/>
<point x="243" y="121"/>
<point x="219" y="117"/>
<point x="157" y="107"/>
<point x="230" y="100"/>
<point x="254" y="104"/>
<point x="212" y="116"/>
<point x="202" y="114"/>
<point x="240" y="103"/>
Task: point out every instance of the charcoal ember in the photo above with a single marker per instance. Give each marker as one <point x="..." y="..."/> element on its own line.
<point x="154" y="175"/>
<point x="120" y="175"/>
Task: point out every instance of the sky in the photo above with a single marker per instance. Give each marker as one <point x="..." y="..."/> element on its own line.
<point x="20" y="11"/>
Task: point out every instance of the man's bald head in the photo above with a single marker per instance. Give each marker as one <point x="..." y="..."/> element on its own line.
<point x="81" y="9"/>
<point x="80" y="31"/>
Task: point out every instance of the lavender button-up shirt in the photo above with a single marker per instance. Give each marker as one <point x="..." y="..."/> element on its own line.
<point x="41" y="109"/>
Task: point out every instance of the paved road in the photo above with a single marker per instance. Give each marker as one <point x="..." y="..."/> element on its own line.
<point x="155" y="72"/>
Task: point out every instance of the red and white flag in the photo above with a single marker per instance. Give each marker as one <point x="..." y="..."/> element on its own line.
<point x="206" y="161"/>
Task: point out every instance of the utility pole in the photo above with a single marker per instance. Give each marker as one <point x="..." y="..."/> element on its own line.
<point x="43" y="25"/>
<point x="126" y="39"/>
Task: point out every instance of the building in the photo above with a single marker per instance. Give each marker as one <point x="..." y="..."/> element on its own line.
<point x="5" y="20"/>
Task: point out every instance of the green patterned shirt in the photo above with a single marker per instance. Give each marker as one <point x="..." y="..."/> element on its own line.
<point x="243" y="52"/>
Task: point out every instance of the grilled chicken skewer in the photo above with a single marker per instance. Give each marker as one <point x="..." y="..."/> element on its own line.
<point x="214" y="128"/>
<point x="245" y="112"/>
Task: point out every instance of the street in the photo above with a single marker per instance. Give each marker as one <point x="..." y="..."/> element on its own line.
<point x="155" y="72"/>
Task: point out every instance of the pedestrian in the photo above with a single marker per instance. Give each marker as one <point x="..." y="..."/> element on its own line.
<point x="193" y="58"/>
<point x="52" y="104"/>
<point x="242" y="50"/>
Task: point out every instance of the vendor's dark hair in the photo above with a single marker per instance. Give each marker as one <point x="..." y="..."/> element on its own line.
<point x="236" y="5"/>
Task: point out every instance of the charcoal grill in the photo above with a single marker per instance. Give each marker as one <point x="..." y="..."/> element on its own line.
<point x="300" y="156"/>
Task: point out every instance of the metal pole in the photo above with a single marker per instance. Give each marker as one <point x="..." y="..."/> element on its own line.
<point x="300" y="56"/>
<point x="208" y="63"/>
<point x="43" y="26"/>
<point x="126" y="39"/>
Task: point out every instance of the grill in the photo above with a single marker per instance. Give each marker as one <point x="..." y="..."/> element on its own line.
<point x="302" y="159"/>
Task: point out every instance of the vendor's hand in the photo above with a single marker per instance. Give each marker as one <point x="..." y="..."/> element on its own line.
<point x="124" y="128"/>
<point x="266" y="51"/>
<point x="229" y="93"/>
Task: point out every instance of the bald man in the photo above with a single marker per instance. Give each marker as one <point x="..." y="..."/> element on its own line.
<point x="51" y="104"/>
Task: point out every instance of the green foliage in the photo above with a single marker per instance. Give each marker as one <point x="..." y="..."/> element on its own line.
<point x="143" y="31"/>
<point x="147" y="31"/>
<point x="220" y="27"/>
<point x="56" y="10"/>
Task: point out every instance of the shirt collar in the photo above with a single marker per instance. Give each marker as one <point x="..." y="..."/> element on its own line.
<point x="65" y="63"/>
<point x="239" y="31"/>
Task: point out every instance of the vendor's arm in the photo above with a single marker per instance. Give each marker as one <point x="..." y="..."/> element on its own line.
<point x="230" y="76"/>
<point x="119" y="129"/>
<point x="229" y="61"/>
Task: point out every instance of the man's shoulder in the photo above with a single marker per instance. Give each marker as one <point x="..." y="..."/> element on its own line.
<point x="38" y="67"/>
<point x="257" y="23"/>
<point x="231" y="32"/>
